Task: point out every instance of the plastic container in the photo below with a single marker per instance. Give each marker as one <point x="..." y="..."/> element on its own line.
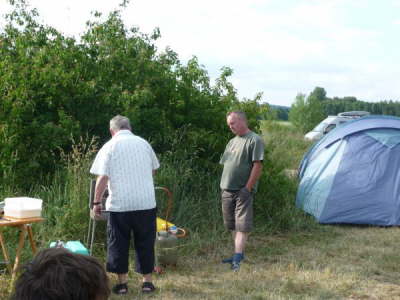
<point x="73" y="246"/>
<point x="57" y="244"/>
<point x="22" y="207"/>
<point x="173" y="229"/>
<point x="162" y="225"/>
<point x="76" y="247"/>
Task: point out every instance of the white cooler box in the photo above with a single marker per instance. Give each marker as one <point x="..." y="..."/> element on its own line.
<point x="22" y="207"/>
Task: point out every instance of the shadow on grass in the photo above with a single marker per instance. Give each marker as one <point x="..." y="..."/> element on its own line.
<point x="280" y="244"/>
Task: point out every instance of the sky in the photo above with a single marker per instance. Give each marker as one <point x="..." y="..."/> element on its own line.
<point x="276" y="47"/>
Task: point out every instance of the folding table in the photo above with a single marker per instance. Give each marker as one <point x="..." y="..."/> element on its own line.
<point x="24" y="226"/>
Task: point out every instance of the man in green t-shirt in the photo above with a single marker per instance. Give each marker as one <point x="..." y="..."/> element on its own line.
<point x="242" y="162"/>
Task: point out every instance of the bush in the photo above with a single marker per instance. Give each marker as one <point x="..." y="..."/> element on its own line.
<point x="53" y="88"/>
<point x="275" y="201"/>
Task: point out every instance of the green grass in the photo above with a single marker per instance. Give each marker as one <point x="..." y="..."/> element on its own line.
<point x="286" y="143"/>
<point x="328" y="262"/>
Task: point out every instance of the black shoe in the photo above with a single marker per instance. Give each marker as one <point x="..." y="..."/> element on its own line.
<point x="120" y="289"/>
<point x="148" y="287"/>
<point x="235" y="266"/>
<point x="228" y="260"/>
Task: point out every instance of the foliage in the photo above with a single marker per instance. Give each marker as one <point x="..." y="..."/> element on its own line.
<point x="254" y="111"/>
<point x="305" y="114"/>
<point x="318" y="93"/>
<point x="57" y="94"/>
<point x="337" y="105"/>
<point x="298" y="111"/>
<point x="54" y="88"/>
<point x="34" y="118"/>
<point x="281" y="112"/>
<point x="275" y="199"/>
<point x="314" y="113"/>
<point x="196" y="196"/>
<point x="285" y="143"/>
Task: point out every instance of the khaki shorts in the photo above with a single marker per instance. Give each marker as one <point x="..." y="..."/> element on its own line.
<point x="237" y="210"/>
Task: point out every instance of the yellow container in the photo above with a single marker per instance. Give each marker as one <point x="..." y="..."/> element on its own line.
<point x="162" y="225"/>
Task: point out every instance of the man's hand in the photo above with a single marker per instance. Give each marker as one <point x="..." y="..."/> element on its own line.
<point x="97" y="209"/>
<point x="244" y="193"/>
<point x="101" y="184"/>
<point x="254" y="174"/>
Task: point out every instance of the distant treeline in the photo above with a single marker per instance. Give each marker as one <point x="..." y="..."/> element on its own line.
<point x="335" y="105"/>
<point x="281" y="112"/>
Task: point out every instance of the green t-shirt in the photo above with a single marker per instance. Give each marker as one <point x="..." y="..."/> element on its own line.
<point x="238" y="158"/>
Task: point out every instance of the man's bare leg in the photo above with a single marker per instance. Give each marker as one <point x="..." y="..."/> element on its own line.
<point x="147" y="286"/>
<point x="123" y="278"/>
<point x="240" y="239"/>
<point x="147" y="277"/>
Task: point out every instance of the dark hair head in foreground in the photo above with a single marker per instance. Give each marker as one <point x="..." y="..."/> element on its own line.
<point x="58" y="274"/>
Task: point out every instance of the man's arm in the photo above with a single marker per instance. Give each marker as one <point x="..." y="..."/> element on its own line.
<point x="254" y="174"/>
<point x="101" y="184"/>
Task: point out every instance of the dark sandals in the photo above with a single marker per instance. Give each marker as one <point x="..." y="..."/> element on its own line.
<point x="148" y="287"/>
<point x="120" y="289"/>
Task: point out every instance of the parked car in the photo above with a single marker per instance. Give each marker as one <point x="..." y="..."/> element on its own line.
<point x="332" y="122"/>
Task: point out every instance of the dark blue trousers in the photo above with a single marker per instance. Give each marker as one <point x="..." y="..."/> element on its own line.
<point x="121" y="225"/>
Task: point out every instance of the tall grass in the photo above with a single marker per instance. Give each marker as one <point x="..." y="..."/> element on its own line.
<point x="285" y="143"/>
<point x="289" y="256"/>
<point x="275" y="200"/>
<point x="66" y="201"/>
<point x="196" y="195"/>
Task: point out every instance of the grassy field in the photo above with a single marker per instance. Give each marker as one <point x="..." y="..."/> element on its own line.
<point x="288" y="257"/>
<point x="331" y="262"/>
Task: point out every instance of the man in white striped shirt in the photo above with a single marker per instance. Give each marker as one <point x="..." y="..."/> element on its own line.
<point x="126" y="165"/>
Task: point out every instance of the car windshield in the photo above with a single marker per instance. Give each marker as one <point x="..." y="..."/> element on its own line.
<point x="320" y="127"/>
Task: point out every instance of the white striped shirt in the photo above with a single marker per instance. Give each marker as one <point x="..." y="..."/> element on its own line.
<point x="128" y="161"/>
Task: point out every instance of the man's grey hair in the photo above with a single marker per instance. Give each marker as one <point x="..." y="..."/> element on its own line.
<point x="239" y="114"/>
<point x="120" y="122"/>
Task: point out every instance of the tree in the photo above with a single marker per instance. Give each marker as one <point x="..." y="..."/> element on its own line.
<point x="306" y="114"/>
<point x="297" y="112"/>
<point x="314" y="112"/>
<point x="54" y="89"/>
<point x="254" y="110"/>
<point x="318" y="93"/>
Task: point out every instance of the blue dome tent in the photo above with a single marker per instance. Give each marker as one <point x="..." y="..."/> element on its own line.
<point x="352" y="175"/>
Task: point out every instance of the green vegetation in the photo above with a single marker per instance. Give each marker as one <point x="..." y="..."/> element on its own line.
<point x="336" y="105"/>
<point x="196" y="198"/>
<point x="282" y="112"/>
<point x="308" y="111"/>
<point x="57" y="95"/>
<point x="54" y="88"/>
<point x="288" y="257"/>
